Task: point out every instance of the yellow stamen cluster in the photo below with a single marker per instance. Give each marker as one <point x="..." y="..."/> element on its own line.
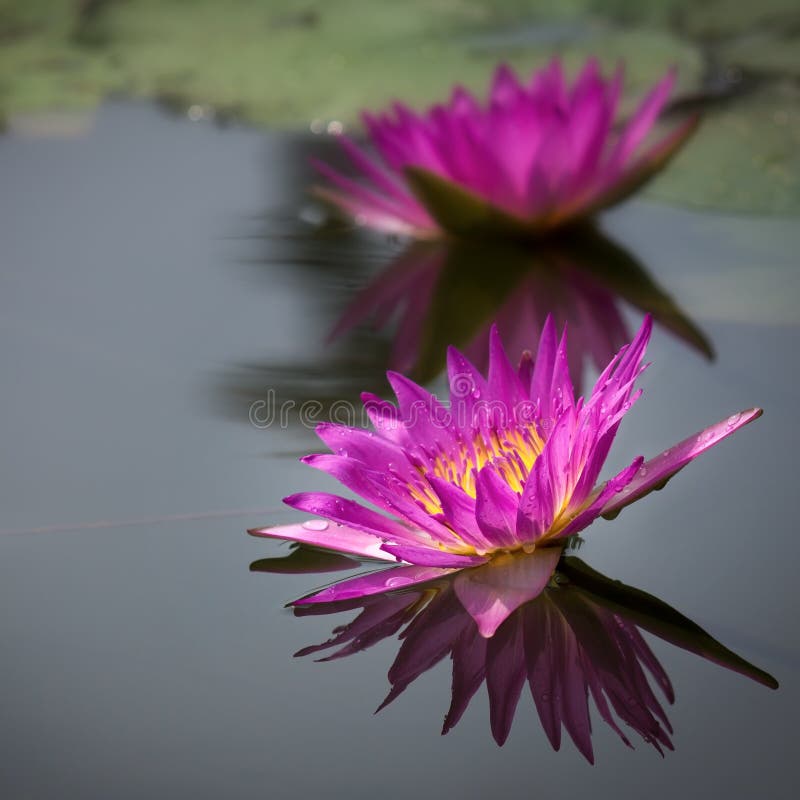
<point x="511" y="453"/>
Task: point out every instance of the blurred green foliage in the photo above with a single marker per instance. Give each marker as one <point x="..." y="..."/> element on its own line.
<point x="293" y="62"/>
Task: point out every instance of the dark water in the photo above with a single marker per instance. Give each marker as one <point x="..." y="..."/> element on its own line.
<point x="159" y="276"/>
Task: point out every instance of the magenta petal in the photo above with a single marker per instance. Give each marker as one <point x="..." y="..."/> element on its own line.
<point x="384" y="416"/>
<point x="469" y="670"/>
<point x="376" y="452"/>
<point x="365" y="212"/>
<point x="372" y="171"/>
<point x="431" y="556"/>
<point x="543" y="493"/>
<point x="642" y="121"/>
<point x="503" y="378"/>
<point x="349" y="513"/>
<point x="496" y="508"/>
<point x="492" y="592"/>
<point x="384" y="491"/>
<point x="384" y="580"/>
<point x="426" y="641"/>
<point x="505" y="676"/>
<point x="658" y="470"/>
<point x="375" y="622"/>
<point x="613" y="488"/>
<point x="321" y="533"/>
<point x="458" y="509"/>
<point x="367" y="197"/>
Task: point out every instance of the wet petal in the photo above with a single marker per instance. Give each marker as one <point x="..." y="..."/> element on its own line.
<point x="613" y="488"/>
<point x="348" y="513"/>
<point x="496" y="508"/>
<point x="431" y="556"/>
<point x="657" y="471"/>
<point x="321" y="533"/>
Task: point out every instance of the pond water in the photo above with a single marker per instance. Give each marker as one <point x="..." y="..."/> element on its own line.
<point x="159" y="277"/>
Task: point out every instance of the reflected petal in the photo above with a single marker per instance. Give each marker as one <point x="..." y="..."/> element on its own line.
<point x="384" y="580"/>
<point x="492" y="592"/>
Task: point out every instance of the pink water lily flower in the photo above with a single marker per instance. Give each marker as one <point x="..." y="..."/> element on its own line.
<point x="536" y="155"/>
<point x="511" y="464"/>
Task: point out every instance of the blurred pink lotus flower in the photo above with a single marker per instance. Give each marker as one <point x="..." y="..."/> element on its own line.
<point x="539" y="154"/>
<point x="570" y="637"/>
<point x="512" y="465"/>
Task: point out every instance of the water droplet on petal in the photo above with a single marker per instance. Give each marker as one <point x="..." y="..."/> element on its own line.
<point x="643" y="472"/>
<point x="732" y="420"/>
<point x="316" y="525"/>
<point x="393" y="583"/>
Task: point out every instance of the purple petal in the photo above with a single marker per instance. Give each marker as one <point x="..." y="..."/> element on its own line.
<point x="426" y="419"/>
<point x="658" y="470"/>
<point x="545" y="489"/>
<point x="385" y="417"/>
<point x="367" y="197"/>
<point x="505" y="676"/>
<point x="613" y="488"/>
<point x="371" y="170"/>
<point x="431" y="556"/>
<point x="492" y="592"/>
<point x="503" y="380"/>
<point x="642" y="121"/>
<point x="321" y="533"/>
<point x="377" y="621"/>
<point x="349" y="513"/>
<point x="364" y="211"/>
<point x="426" y="641"/>
<point x="384" y="580"/>
<point x="458" y="509"/>
<point x="467" y="386"/>
<point x="386" y="492"/>
<point x="375" y="452"/>
<point x="469" y="671"/>
<point x="543" y="632"/>
<point x="496" y="508"/>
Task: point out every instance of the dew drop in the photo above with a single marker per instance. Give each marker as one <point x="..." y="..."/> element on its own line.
<point x="732" y="420"/>
<point x="316" y="525"/>
<point x="643" y="472"/>
<point x="393" y="583"/>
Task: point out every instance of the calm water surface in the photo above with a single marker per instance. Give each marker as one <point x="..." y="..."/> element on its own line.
<point x="158" y="276"/>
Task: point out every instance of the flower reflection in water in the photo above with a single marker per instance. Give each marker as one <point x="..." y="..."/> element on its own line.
<point x="577" y="635"/>
<point x="443" y="293"/>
